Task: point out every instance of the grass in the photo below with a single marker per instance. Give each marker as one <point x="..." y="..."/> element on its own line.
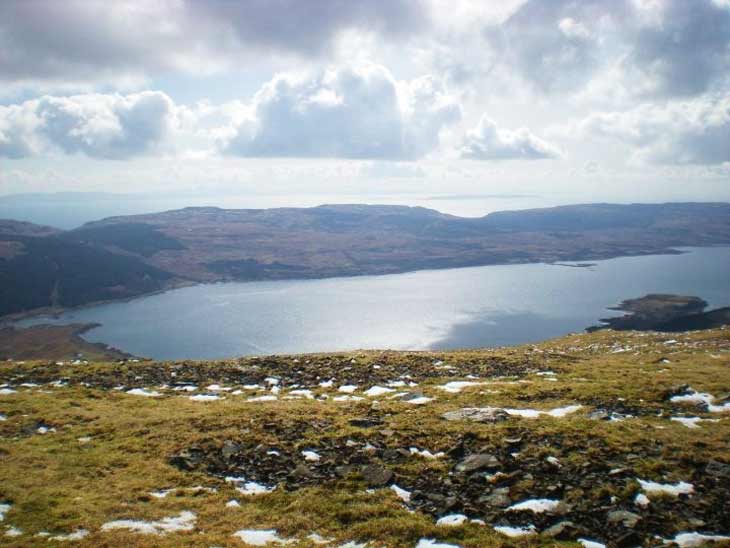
<point x="58" y="484"/>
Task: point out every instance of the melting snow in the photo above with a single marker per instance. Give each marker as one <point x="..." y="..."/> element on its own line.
<point x="205" y="397"/>
<point x="253" y="488"/>
<point x="13" y="532"/>
<point x="143" y="392"/>
<point x="186" y="388"/>
<point x="431" y="543"/>
<point x="327" y="384"/>
<point x="692" y="396"/>
<point x="233" y="503"/>
<point x="4" y="510"/>
<point x="3" y="417"/>
<point x="452" y="520"/>
<point x="378" y="391"/>
<point x="420" y="400"/>
<point x="515" y="531"/>
<point x="347" y="398"/>
<point x="263" y="398"/>
<point x="6" y="391"/>
<point x="311" y="456"/>
<point x="535" y="505"/>
<point x="302" y="393"/>
<point x="691" y="422"/>
<point x="348" y="388"/>
<point x="455" y="387"/>
<point x="402" y="494"/>
<point x="590" y="543"/>
<point x="689" y="540"/>
<point x="426" y="454"/>
<point x="681" y="488"/>
<point x="641" y="500"/>
<point x="185" y="521"/>
<point x="259" y="537"/>
<point x="534" y="413"/>
<point x="318" y="539"/>
<point x="76" y="535"/>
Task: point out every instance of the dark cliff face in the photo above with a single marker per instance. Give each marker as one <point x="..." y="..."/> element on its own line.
<point x="120" y="257"/>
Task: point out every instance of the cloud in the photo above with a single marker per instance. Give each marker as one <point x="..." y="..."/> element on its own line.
<point x="358" y="112"/>
<point x="97" y="40"/>
<point x="556" y="46"/>
<point x="488" y="142"/>
<point x="679" y="132"/>
<point x="97" y="125"/>
<point x="680" y="48"/>
<point x="667" y="48"/>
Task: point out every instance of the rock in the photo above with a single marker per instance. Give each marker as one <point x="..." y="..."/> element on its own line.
<point x="627" y="519"/>
<point x="302" y="471"/>
<point x="229" y="449"/>
<point x="718" y="469"/>
<point x="497" y="499"/>
<point x="629" y="539"/>
<point x="599" y="415"/>
<point x="477" y="462"/>
<point x="675" y="391"/>
<point x="365" y="422"/>
<point x="188" y="459"/>
<point x="477" y="414"/>
<point x="376" y="475"/>
<point x="563" y="530"/>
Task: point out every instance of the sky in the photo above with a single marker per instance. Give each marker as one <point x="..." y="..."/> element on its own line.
<point x="577" y="100"/>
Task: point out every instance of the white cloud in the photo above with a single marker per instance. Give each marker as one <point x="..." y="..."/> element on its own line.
<point x="344" y="112"/>
<point x="97" y="125"/>
<point x="488" y="142"/>
<point x="678" y="132"/>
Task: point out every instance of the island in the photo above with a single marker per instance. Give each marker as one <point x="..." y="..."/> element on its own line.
<point x="662" y="312"/>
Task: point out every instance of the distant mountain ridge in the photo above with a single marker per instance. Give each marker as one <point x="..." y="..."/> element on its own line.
<point x="125" y="256"/>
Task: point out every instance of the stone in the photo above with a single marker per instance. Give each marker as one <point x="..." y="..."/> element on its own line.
<point x="476" y="462"/>
<point x="376" y="475"/>
<point x="563" y="530"/>
<point x="718" y="469"/>
<point x="627" y="519"/>
<point x="477" y="414"/>
<point x="229" y="449"/>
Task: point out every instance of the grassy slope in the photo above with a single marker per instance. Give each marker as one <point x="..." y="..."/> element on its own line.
<point x="57" y="484"/>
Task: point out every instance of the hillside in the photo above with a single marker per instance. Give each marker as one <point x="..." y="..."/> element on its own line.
<point x="121" y="257"/>
<point x="617" y="438"/>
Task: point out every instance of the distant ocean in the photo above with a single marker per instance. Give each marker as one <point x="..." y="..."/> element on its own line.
<point x="70" y="210"/>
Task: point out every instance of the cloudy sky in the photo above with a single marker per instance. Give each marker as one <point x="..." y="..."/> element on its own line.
<point x="581" y="99"/>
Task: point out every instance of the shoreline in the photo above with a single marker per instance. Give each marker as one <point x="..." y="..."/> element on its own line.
<point x="12" y="319"/>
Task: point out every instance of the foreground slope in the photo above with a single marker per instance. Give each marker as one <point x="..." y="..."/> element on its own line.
<point x="620" y="438"/>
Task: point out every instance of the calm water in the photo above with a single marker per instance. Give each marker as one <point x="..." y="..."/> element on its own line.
<point x="467" y="307"/>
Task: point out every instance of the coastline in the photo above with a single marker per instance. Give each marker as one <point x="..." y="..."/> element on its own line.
<point x="12" y="319"/>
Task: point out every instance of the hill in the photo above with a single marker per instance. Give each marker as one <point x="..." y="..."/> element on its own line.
<point x="125" y="256"/>
<point x="617" y="438"/>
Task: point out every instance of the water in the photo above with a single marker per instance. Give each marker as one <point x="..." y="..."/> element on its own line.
<point x="439" y="309"/>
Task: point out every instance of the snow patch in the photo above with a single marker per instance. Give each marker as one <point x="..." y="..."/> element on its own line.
<point x="144" y="392"/>
<point x="431" y="543"/>
<point x="375" y="391"/>
<point x="681" y="488"/>
<point x="454" y="387"/>
<point x="537" y="506"/>
<point x="689" y="540"/>
<point x="402" y="494"/>
<point x="510" y="531"/>
<point x="205" y="397"/>
<point x="260" y="537"/>
<point x="185" y="521"/>
<point x="452" y="520"/>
